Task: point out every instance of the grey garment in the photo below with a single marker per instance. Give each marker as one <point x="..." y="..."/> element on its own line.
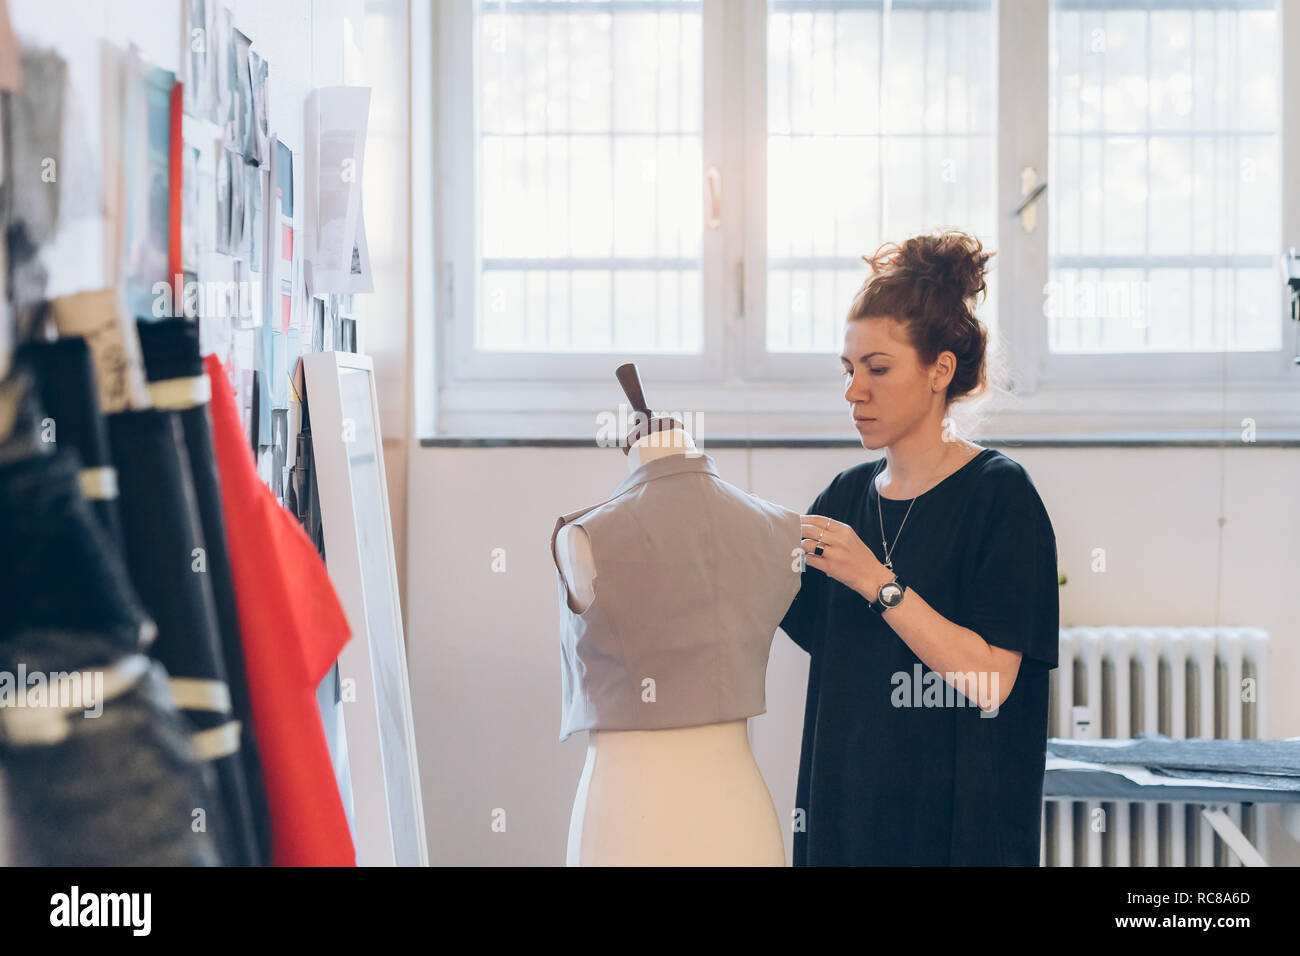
<point x="693" y="576"/>
<point x="32" y="180"/>
<point x="35" y="139"/>
<point x="1273" y="763"/>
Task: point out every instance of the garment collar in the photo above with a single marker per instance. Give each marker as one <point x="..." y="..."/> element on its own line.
<point x="674" y="464"/>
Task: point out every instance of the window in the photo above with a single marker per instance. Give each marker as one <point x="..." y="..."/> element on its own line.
<point x="691" y="185"/>
<point x="880" y="125"/>
<point x="1165" y="226"/>
<point x="589" y="177"/>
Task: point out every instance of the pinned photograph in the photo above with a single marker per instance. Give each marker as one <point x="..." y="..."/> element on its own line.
<point x="259" y="75"/>
<point x="225" y="198"/>
<point x="200" y="74"/>
<point x="336" y="120"/>
<point x="241" y="89"/>
<point x="254" y="179"/>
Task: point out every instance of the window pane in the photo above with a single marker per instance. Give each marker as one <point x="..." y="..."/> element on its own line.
<point x="880" y="121"/>
<point x="589" y="175"/>
<point x="1165" y="195"/>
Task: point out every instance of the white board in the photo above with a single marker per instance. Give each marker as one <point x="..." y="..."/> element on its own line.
<point x="349" y="465"/>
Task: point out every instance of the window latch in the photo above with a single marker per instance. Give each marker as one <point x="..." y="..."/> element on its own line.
<point x="713" y="218"/>
<point x="1031" y="190"/>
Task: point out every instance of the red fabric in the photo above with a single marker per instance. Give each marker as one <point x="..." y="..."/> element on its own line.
<point x="293" y="629"/>
<point x="176" y="176"/>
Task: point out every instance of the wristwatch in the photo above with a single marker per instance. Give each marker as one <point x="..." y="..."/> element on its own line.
<point x="891" y="594"/>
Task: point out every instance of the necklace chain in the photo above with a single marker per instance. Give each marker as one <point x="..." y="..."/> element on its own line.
<point x="888" y="548"/>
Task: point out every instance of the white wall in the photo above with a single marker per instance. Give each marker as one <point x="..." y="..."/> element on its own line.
<point x="484" y="651"/>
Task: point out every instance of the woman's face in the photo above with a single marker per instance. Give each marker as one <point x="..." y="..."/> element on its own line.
<point x="888" y="390"/>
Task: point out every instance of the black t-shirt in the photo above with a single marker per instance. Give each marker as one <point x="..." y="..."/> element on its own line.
<point x="885" y="777"/>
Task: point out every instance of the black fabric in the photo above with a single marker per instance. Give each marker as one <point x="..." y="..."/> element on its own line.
<point x="888" y="785"/>
<point x="43" y="538"/>
<point x="170" y="348"/>
<point x="197" y="425"/>
<point x="168" y="562"/>
<point x="120" y="788"/>
<point x="66" y="379"/>
<point x="58" y="570"/>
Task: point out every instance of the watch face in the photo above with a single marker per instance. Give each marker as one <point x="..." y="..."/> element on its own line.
<point x="890" y="594"/>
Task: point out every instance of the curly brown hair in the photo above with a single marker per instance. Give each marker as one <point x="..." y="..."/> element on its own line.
<point x="930" y="283"/>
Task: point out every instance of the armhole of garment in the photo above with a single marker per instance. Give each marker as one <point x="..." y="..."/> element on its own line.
<point x="561" y="523"/>
<point x="566" y="586"/>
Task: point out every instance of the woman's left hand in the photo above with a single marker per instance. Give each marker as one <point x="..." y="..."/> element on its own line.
<point x="844" y="557"/>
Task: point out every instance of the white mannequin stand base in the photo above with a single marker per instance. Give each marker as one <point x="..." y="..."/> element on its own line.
<point x="690" y="796"/>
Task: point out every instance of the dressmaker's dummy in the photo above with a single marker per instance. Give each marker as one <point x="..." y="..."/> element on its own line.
<point x="689" y="795"/>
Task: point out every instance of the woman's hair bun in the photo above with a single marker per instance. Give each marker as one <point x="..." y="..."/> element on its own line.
<point x="930" y="283"/>
<point x="954" y="261"/>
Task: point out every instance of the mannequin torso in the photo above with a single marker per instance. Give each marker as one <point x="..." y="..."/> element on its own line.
<point x="686" y="796"/>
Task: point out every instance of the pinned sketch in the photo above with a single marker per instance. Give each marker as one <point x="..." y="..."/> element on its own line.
<point x="201" y="193"/>
<point x="254" y="179"/>
<point x="336" y="120"/>
<point x="224" y="199"/>
<point x="146" y="135"/>
<point x="200" y="76"/>
<point x="361" y="279"/>
<point x="279" y="451"/>
<point x="280" y="242"/>
<point x="248" y="287"/>
<point x="240" y="119"/>
<point x="236" y="188"/>
<point x="225" y="70"/>
<point x="258" y="78"/>
<point x="317" y="310"/>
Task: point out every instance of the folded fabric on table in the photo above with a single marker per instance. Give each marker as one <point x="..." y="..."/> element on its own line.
<point x="1225" y="760"/>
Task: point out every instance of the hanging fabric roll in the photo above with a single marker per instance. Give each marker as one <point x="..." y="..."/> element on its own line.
<point x="70" y="398"/>
<point x="177" y="381"/>
<point x="167" y="558"/>
<point x="97" y="762"/>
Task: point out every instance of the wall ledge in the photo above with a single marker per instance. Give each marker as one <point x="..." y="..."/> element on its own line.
<point x="1201" y="439"/>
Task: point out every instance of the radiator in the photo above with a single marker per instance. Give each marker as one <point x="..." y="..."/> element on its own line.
<point x="1114" y="682"/>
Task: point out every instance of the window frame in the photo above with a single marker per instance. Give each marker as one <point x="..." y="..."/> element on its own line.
<point x="747" y="391"/>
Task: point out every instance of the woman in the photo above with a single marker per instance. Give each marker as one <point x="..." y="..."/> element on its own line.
<point x="926" y="719"/>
